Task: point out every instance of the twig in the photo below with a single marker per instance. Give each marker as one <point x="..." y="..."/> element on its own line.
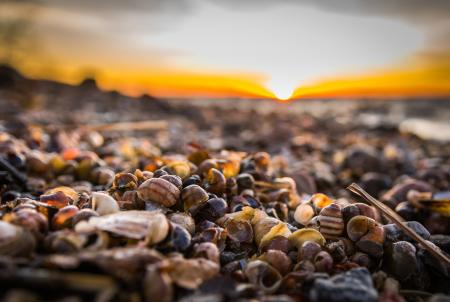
<point x="398" y="221"/>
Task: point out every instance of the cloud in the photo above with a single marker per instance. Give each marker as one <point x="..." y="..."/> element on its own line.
<point x="413" y="10"/>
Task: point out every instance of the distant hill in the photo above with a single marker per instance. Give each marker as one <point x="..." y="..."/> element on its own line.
<point x="21" y="93"/>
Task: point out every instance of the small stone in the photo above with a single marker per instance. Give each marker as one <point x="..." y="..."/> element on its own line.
<point x="352" y="286"/>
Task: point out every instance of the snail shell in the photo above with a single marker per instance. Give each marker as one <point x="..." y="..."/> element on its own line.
<point x="320" y="201"/>
<point x="368" y="235"/>
<point x="183" y="219"/>
<point x="125" y="181"/>
<point x="60" y="197"/>
<point x="207" y="250"/>
<point x="300" y="236"/>
<point x="323" y="262"/>
<point x="104" y="204"/>
<point x="239" y="231"/>
<point x="30" y="219"/>
<point x="309" y="250"/>
<point x="266" y="228"/>
<point x="174" y="179"/>
<point x="331" y="223"/>
<point x="216" y="181"/>
<point x="103" y="176"/>
<point x="63" y="218"/>
<point x="304" y="213"/>
<point x="160" y="191"/>
<point x="180" y="168"/>
<point x="130" y="224"/>
<point x="279" y="260"/>
<point x="15" y="240"/>
<point x="263" y="275"/>
<point x="193" y="195"/>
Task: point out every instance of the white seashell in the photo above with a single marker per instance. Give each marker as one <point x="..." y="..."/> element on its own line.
<point x="104" y="204"/>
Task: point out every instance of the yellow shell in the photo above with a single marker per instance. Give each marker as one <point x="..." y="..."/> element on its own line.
<point x="320" y="200"/>
<point x="180" y="168"/>
<point x="246" y="214"/>
<point x="280" y="229"/>
<point x="69" y="192"/>
<point x="300" y="236"/>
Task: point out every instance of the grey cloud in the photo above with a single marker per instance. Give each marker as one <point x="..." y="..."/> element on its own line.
<point x="412" y="10"/>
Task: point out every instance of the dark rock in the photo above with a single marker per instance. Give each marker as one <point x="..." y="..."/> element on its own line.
<point x="442" y="241"/>
<point x="394" y="233"/>
<point x="352" y="286"/>
<point x="374" y="183"/>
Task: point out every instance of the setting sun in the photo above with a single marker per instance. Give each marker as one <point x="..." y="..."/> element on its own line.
<point x="282" y="90"/>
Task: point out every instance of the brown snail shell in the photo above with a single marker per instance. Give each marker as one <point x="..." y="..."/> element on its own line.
<point x="294" y="198"/>
<point x="331" y="223"/>
<point x="157" y="284"/>
<point x="207" y="250"/>
<point x="82" y="215"/>
<point x="400" y="191"/>
<point x="279" y="260"/>
<point x="174" y="179"/>
<point x="280" y="243"/>
<point x="216" y="235"/>
<point x="262" y="161"/>
<point x="60" y="197"/>
<point x="361" y="259"/>
<point x="184" y="220"/>
<point x="305" y="266"/>
<point x="160" y="191"/>
<point x="15" y="240"/>
<point x="192" y="196"/>
<point x="37" y="162"/>
<point x="190" y="273"/>
<point x="143" y="175"/>
<point x="367" y="210"/>
<point x="239" y="230"/>
<point x="215" y="181"/>
<point x="355" y="209"/>
<point x="367" y="234"/>
<point x="30" y="219"/>
<point x="323" y="262"/>
<point x="309" y="250"/>
<point x="63" y="218"/>
<point x="125" y="181"/>
<point x="263" y="275"/>
<point x="205" y="166"/>
<point x="103" y="176"/>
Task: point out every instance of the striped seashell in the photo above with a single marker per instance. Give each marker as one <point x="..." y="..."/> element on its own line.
<point x="331" y="222"/>
<point x="159" y="190"/>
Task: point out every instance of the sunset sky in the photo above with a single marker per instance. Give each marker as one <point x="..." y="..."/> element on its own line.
<point x="237" y="48"/>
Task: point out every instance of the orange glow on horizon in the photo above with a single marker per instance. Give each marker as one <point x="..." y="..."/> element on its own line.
<point x="416" y="80"/>
<point x="187" y="84"/>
